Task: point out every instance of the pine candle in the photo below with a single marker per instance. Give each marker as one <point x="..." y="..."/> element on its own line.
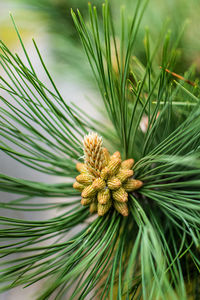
<point x="105" y="179"/>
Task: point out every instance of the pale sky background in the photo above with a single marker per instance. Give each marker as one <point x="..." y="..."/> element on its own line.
<point x="70" y="88"/>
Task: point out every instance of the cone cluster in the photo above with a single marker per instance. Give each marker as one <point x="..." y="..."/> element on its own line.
<point x="104" y="180"/>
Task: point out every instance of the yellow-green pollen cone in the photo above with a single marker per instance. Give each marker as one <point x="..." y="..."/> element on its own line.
<point x="105" y="180"/>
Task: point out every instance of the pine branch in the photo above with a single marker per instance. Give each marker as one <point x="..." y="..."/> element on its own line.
<point x="153" y="252"/>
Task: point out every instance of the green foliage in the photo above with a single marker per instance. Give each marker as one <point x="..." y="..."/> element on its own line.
<point x="153" y="253"/>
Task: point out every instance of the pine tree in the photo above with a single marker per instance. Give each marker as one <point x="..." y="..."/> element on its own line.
<point x="144" y="242"/>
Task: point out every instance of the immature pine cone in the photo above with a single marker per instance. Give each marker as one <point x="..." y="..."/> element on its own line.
<point x="104" y="180"/>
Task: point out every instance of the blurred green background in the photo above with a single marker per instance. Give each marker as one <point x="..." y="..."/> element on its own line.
<point x="50" y="20"/>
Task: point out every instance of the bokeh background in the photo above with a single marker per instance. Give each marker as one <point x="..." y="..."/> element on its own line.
<point x="50" y="23"/>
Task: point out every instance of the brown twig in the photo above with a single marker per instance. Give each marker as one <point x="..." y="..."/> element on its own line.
<point x="179" y="77"/>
